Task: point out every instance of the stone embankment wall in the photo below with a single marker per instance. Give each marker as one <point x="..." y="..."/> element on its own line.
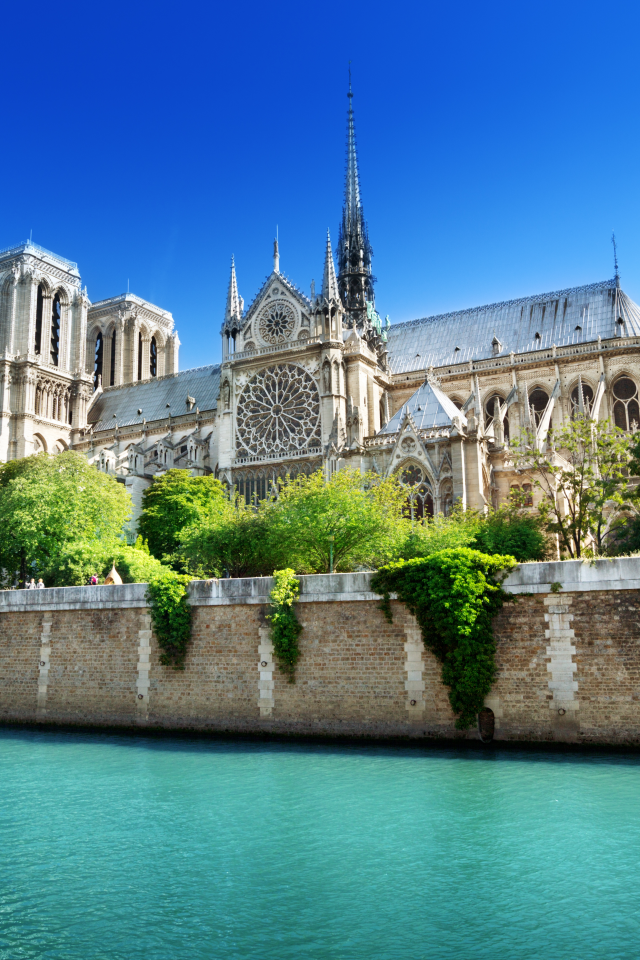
<point x="569" y="662"/>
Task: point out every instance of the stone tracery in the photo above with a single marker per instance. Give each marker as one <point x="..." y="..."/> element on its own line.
<point x="276" y="322"/>
<point x="278" y="412"/>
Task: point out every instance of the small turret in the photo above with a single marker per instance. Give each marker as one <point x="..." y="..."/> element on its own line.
<point x="232" y="315"/>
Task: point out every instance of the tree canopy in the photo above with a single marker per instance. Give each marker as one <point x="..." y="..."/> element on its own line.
<point x="51" y="503"/>
<point x="174" y="502"/>
<point x="585" y="479"/>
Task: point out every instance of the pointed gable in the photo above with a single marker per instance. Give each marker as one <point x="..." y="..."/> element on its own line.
<point x="429" y="407"/>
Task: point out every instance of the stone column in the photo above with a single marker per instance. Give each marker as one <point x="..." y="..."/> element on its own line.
<point x="563" y="686"/>
<point x="142" y="680"/>
<point x="266" y="665"/>
<point x="414" y="684"/>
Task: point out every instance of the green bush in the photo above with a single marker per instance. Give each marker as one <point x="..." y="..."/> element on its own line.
<point x="170" y="615"/>
<point x="285" y="628"/>
<point x="454" y="596"/>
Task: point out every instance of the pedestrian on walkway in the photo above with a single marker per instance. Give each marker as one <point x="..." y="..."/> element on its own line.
<point x="40" y="584"/>
<point x="31" y="585"/>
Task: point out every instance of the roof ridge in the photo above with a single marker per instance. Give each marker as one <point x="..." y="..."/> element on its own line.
<point x="165" y="376"/>
<point x="535" y="298"/>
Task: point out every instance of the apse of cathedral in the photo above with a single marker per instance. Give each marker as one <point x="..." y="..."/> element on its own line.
<point x="309" y="380"/>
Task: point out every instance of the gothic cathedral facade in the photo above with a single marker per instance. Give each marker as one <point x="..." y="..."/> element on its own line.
<point x="309" y="381"/>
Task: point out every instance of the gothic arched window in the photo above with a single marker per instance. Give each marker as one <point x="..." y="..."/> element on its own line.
<point x="419" y="502"/>
<point x="97" y="360"/>
<point x="39" y="306"/>
<point x="112" y="372"/>
<point x="140" y="356"/>
<point x="153" y="357"/>
<point x="538" y="401"/>
<point x="55" y="330"/>
<point x="490" y="414"/>
<point x="587" y="399"/>
<point x="626" y="412"/>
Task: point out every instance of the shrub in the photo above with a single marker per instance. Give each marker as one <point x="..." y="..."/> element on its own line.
<point x="454" y="596"/>
<point x="285" y="628"/>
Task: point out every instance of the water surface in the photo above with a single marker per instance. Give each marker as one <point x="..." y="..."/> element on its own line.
<point x="114" y="847"/>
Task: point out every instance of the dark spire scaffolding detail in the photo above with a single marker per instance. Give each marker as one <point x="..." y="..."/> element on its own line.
<point x="355" y="279"/>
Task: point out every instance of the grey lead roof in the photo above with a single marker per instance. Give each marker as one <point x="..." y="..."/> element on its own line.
<point x="156" y="398"/>
<point x="564" y="317"/>
<point x="429" y="407"/>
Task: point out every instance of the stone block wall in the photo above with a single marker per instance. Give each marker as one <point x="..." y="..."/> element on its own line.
<point x="568" y="662"/>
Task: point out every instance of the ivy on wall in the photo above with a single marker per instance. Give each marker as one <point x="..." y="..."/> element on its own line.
<point x="170" y="616"/>
<point x="454" y="595"/>
<point x="285" y="628"/>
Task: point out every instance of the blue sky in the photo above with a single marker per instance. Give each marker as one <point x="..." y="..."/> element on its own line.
<point x="498" y="146"/>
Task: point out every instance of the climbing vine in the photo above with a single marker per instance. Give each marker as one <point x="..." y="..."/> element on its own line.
<point x="285" y="628"/>
<point x="454" y="595"/>
<point x="171" y="616"/>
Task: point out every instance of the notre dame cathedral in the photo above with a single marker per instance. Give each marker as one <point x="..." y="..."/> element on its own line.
<point x="308" y="381"/>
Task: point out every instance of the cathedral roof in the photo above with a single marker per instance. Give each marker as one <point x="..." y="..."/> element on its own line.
<point x="576" y="315"/>
<point x="156" y="398"/>
<point x="429" y="407"/>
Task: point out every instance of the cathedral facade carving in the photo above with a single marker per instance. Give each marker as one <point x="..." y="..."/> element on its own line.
<point x="309" y="382"/>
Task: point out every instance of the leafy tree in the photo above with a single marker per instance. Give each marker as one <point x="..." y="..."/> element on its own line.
<point x="173" y="502"/>
<point x="48" y="503"/>
<point x="236" y="541"/>
<point x="358" y="515"/>
<point x="510" y="530"/>
<point x="584" y="476"/>
<point x="77" y="561"/>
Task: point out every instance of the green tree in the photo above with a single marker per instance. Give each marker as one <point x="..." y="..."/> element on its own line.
<point x="237" y="540"/>
<point x="174" y="501"/>
<point x="356" y="517"/>
<point x="48" y="503"/>
<point x="585" y="479"/>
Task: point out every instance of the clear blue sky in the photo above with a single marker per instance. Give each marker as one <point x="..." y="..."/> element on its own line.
<point x="498" y="146"/>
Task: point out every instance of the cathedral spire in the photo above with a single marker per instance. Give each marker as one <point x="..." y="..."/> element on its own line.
<point x="233" y="310"/>
<point x="329" y="282"/>
<point x="355" y="281"/>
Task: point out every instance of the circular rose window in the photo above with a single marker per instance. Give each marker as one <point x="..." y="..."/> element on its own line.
<point x="276" y="322"/>
<point x="278" y="413"/>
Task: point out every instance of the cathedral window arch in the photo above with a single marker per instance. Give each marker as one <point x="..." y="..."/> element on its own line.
<point x="39" y="311"/>
<point x="626" y="409"/>
<point x="587" y="399"/>
<point x="419" y="502"/>
<point x="97" y="360"/>
<point x="112" y="371"/>
<point x="56" y="321"/>
<point x="538" y="400"/>
<point x="446" y="497"/>
<point x="153" y="358"/>
<point x="490" y="415"/>
<point x="140" y="355"/>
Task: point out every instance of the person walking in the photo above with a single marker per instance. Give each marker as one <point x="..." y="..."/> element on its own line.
<point x="40" y="584"/>
<point x="31" y="585"/>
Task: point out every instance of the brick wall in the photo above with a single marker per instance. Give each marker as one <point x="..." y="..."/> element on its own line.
<point x="568" y="665"/>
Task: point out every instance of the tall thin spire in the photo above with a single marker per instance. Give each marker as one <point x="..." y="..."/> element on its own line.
<point x="355" y="280"/>
<point x="615" y="259"/>
<point x="329" y="281"/>
<point x="276" y="256"/>
<point x="233" y="310"/>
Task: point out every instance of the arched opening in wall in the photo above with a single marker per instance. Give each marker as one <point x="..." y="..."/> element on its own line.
<point x="140" y="356"/>
<point x="382" y="419"/>
<point x="97" y="360"/>
<point x="490" y="413"/>
<point x="69" y="411"/>
<point x="39" y="308"/>
<point x="538" y="401"/>
<point x="527" y="495"/>
<point x="153" y="357"/>
<point x="587" y="399"/>
<point x="446" y="497"/>
<point x="39" y="444"/>
<point x="486" y="724"/>
<point x="419" y="502"/>
<point x="626" y="413"/>
<point x="112" y="371"/>
<point x="55" y="330"/>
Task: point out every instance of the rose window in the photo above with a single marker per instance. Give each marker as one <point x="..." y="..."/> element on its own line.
<point x="278" y="413"/>
<point x="276" y="322"/>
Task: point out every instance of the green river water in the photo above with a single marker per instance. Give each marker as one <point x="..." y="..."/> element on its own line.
<point x="118" y="847"/>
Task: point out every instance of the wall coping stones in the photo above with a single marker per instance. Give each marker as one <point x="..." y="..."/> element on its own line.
<point x="622" y="573"/>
